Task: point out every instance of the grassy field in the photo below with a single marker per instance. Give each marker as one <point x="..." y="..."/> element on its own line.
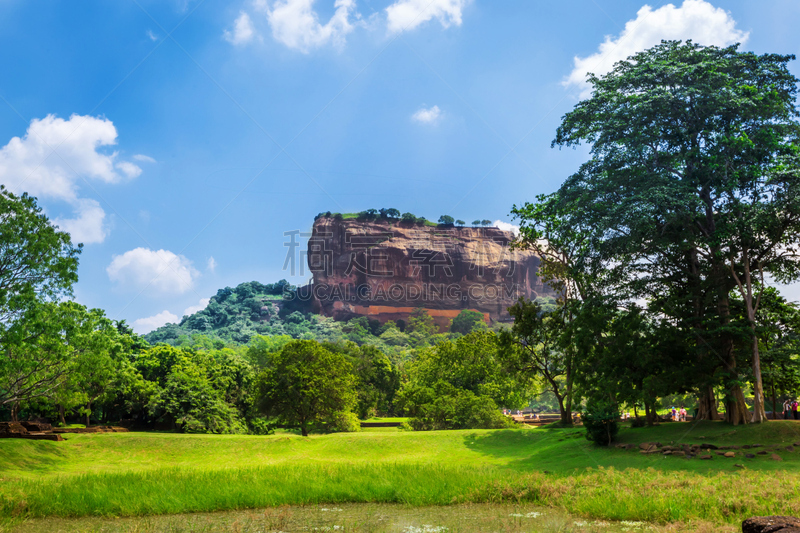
<point x="137" y="474"/>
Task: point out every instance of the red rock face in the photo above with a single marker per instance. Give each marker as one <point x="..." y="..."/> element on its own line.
<point x="385" y="269"/>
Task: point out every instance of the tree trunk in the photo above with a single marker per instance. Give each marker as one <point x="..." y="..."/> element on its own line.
<point x="736" y="408"/>
<point x="774" y="412"/>
<point x="759" y="414"/>
<point x="706" y="404"/>
<point x="650" y="413"/>
<point x="14" y="411"/>
<point x="88" y="413"/>
<point x="61" y="415"/>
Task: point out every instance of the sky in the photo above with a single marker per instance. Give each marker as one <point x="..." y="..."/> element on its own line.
<point x="183" y="141"/>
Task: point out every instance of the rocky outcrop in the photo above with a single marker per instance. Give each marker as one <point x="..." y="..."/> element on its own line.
<point x="384" y="269"/>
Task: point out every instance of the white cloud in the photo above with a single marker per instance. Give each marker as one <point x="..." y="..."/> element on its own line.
<point x="211" y="265"/>
<point x="158" y="271"/>
<point x="408" y="14"/>
<point x="192" y="309"/>
<point x="88" y="227"/>
<point x="148" y="324"/>
<point x="295" y="23"/>
<point x="243" y="31"/>
<point x="144" y="158"/>
<point x="505" y="226"/>
<point x="151" y="35"/>
<point x="695" y="19"/>
<point x="427" y="116"/>
<point x="53" y="157"/>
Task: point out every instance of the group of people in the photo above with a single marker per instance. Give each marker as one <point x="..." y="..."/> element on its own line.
<point x="678" y="415"/>
<point x="790" y="409"/>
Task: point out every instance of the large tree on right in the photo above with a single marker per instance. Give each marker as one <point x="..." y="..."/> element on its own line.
<point x="693" y="194"/>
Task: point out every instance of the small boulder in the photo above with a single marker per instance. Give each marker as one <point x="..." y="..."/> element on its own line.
<point x="750" y="455"/>
<point x="771" y="524"/>
<point x="12" y="428"/>
<point x="762" y="452"/>
<point x="789" y="449"/>
<point x="776" y="457"/>
<point x="737" y="465"/>
<point x="705" y="457"/>
<point x="729" y="454"/>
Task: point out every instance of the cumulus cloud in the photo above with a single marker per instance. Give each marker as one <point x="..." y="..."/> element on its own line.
<point x="88" y="225"/>
<point x="148" y="324"/>
<point x="53" y="156"/>
<point x="242" y="32"/>
<point x="296" y="24"/>
<point x="160" y="271"/>
<point x="427" y="116"/>
<point x="192" y="309"/>
<point x="408" y="14"/>
<point x="211" y="264"/>
<point x="505" y="226"/>
<point x="697" y="20"/>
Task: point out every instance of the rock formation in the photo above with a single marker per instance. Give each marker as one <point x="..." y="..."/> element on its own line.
<point x="384" y="269"/>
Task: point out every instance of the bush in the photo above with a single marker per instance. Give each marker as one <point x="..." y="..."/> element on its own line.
<point x="600" y="418"/>
<point x="638" y="422"/>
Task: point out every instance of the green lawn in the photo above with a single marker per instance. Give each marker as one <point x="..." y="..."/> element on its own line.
<point x="133" y="474"/>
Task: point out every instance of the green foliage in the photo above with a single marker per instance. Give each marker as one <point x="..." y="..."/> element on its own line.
<point x="446" y="220"/>
<point x="459" y="384"/>
<point x="420" y="322"/>
<point x="466" y="321"/>
<point x="460" y="223"/>
<point x="37" y="261"/>
<point x="307" y="386"/>
<point x="601" y="420"/>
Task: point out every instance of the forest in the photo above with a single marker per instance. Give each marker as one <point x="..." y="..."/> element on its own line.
<point x="666" y="247"/>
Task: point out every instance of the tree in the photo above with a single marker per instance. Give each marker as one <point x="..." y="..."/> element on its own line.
<point x="459" y="384"/>
<point x="389" y="213"/>
<point x="446" y="220"/>
<point x="460" y="223"/>
<point x="476" y="222"/>
<point x="486" y="222"/>
<point x="36" y="259"/>
<point x="39" y="349"/>
<point x="419" y="321"/>
<point x="305" y="384"/>
<point x="466" y="321"/>
<point x="689" y="145"/>
<point x="408" y="217"/>
<point x="531" y="349"/>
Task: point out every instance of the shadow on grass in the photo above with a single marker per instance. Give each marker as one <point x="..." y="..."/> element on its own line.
<point x="29" y="455"/>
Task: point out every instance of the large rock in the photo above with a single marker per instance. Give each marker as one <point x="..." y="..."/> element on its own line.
<point x="771" y="524"/>
<point x="12" y="428"/>
<point x="384" y="270"/>
<point x="36" y="426"/>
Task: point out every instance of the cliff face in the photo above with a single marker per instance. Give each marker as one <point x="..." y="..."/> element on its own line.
<point x="385" y="269"/>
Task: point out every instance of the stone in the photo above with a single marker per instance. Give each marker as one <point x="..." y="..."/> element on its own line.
<point x="12" y="428"/>
<point x="36" y="426"/>
<point x="789" y="449"/>
<point x="763" y="452"/>
<point x="737" y="465"/>
<point x="746" y="446"/>
<point x="384" y="269"/>
<point x="709" y="446"/>
<point x="776" y="457"/>
<point x="705" y="457"/>
<point x="750" y="456"/>
<point x="729" y="454"/>
<point x="720" y="453"/>
<point x="771" y="524"/>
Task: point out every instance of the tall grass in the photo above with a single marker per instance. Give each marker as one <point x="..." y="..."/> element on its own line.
<point x="632" y="494"/>
<point x="179" y="490"/>
<point x="654" y="496"/>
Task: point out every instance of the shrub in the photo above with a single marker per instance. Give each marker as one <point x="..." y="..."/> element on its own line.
<point x="600" y="418"/>
<point x="638" y="422"/>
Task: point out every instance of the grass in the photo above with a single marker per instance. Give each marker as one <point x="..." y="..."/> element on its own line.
<point x="135" y="474"/>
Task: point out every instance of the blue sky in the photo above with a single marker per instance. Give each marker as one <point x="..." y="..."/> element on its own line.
<point x="180" y="139"/>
